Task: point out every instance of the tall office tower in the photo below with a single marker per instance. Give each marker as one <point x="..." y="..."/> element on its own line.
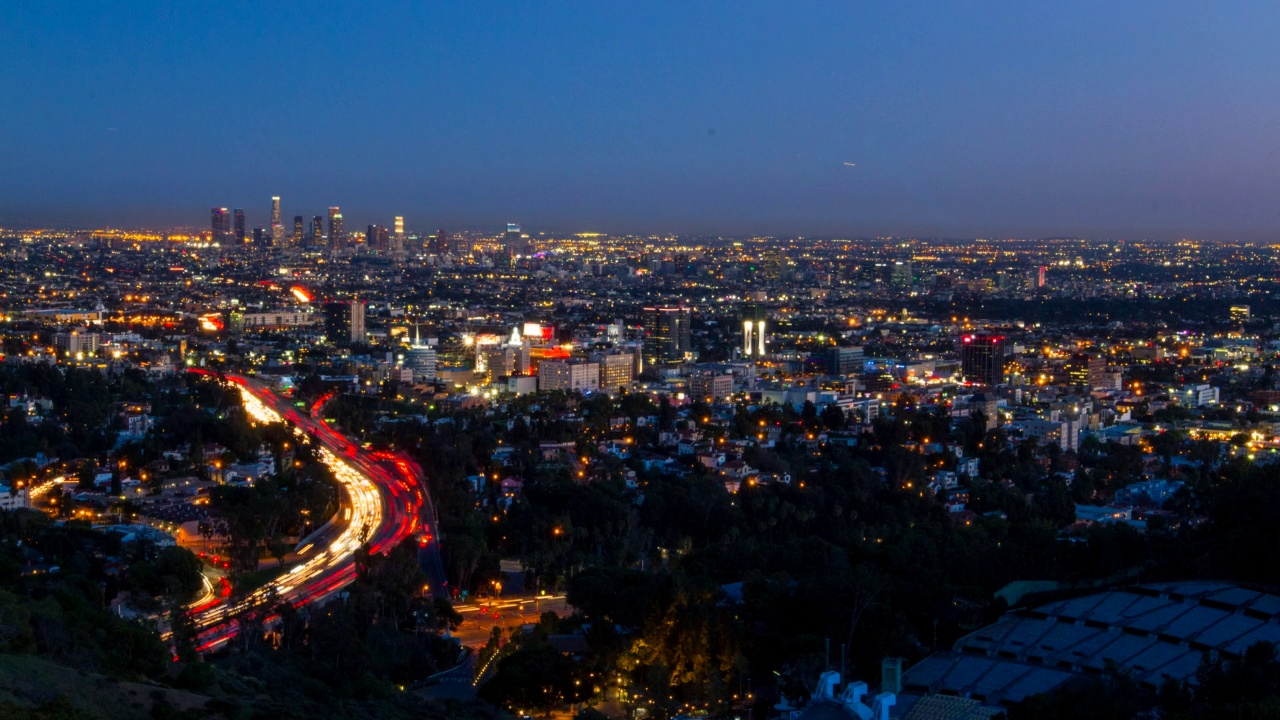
<point x="317" y="231"/>
<point x="219" y="224"/>
<point x="754" y="325"/>
<point x="277" y="229"/>
<point x="297" y="231"/>
<point x="378" y="238"/>
<point x="901" y="275"/>
<point x="666" y="334"/>
<point x="261" y="237"/>
<point x="397" y="240"/>
<point x="337" y="238"/>
<point x="982" y="358"/>
<point x="344" y="321"/>
<point x="1040" y="272"/>
<point x="440" y="243"/>
<point x="239" y="227"/>
<point x="512" y="240"/>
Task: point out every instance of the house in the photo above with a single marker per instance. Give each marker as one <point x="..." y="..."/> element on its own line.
<point x="944" y="480"/>
<point x="554" y="452"/>
<point x="737" y="470"/>
<point x="711" y="460"/>
<point x="1151" y="493"/>
<point x="617" y="448"/>
<point x="511" y="487"/>
<point x="955" y="499"/>
<point x="656" y="462"/>
<point x="1103" y="514"/>
<point x="249" y="473"/>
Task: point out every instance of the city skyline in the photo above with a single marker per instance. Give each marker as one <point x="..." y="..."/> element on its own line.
<point x="654" y="361"/>
<point x="1142" y="121"/>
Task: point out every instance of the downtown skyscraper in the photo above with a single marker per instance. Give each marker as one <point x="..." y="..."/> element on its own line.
<point x="219" y="225"/>
<point x="317" y="231"/>
<point x="277" y="229"/>
<point x="337" y="238"/>
<point x="377" y="238"/>
<point x="239" y="225"/>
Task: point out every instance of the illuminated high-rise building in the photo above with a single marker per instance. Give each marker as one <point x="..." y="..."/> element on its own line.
<point x="277" y="229"/>
<point x="397" y="238"/>
<point x="572" y="375"/>
<point x="377" y="238"/>
<point x="440" y="243"/>
<point x="297" y="231"/>
<point x="666" y="334"/>
<point x="1087" y="369"/>
<point x="754" y="326"/>
<point x="344" y="321"/>
<point x="337" y="238"/>
<point x="982" y="358"/>
<point x="513" y="240"/>
<point x="901" y="275"/>
<point x="220" y="224"/>
<point x="617" y="370"/>
<point x="239" y="225"/>
<point x="317" y="231"/>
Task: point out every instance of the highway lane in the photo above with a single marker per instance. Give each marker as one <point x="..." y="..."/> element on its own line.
<point x="376" y="507"/>
<point x="479" y="619"/>
<point x="410" y="501"/>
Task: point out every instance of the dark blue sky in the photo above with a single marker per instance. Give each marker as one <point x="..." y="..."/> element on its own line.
<point x="1121" y="119"/>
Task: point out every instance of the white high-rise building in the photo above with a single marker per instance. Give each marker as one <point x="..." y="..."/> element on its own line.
<point x="753" y="338"/>
<point x="277" y="229"/>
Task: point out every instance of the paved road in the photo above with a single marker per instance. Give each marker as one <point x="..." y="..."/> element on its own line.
<point x="377" y="506"/>
<point x="409" y="501"/>
<point x="478" y="619"/>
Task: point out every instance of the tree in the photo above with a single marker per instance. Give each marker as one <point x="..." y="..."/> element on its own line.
<point x="833" y="417"/>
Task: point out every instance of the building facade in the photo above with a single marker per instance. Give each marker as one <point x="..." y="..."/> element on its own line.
<point x="982" y="358"/>
<point x="569" y="375"/>
<point x="711" y="387"/>
<point x="344" y="321"/>
<point x="667" y="337"/>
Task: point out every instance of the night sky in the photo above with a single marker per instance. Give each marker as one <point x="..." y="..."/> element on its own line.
<point x="1131" y="119"/>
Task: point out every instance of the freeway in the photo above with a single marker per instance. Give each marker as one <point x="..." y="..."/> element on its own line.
<point x="383" y="502"/>
<point x="412" y="506"/>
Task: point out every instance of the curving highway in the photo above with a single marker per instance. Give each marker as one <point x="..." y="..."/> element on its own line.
<point x="383" y="501"/>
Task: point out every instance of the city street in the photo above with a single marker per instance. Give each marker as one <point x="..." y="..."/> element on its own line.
<point x="478" y="619"/>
